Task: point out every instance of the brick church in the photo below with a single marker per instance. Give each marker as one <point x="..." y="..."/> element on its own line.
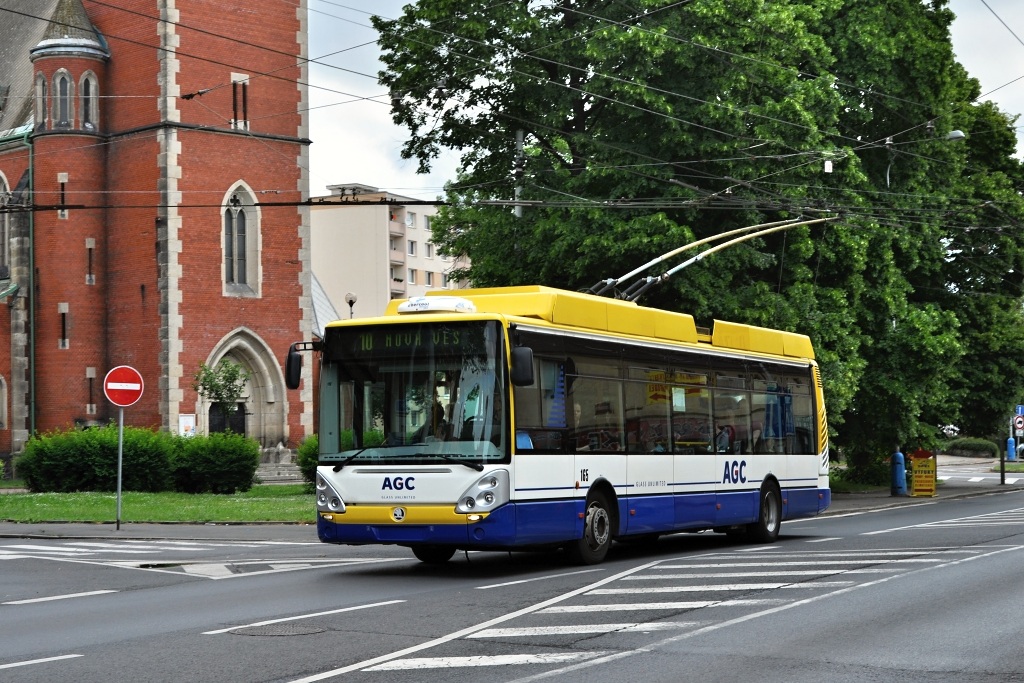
<point x="153" y="158"/>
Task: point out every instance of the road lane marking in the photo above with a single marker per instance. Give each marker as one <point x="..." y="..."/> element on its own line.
<point x="531" y="631"/>
<point x="757" y="575"/>
<point x="718" y="587"/>
<point x="537" y="578"/>
<point x="641" y="606"/>
<point x="301" y="616"/>
<point x="57" y="597"/>
<point x="38" y="661"/>
<point x="474" y="629"/>
<point x="484" y="660"/>
<point x="660" y="645"/>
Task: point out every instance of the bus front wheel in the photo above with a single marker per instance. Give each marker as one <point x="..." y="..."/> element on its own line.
<point x="433" y="554"/>
<point x="769" y="518"/>
<point x="597" y="531"/>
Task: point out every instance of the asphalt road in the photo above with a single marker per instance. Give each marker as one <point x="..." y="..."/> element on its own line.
<point x="923" y="591"/>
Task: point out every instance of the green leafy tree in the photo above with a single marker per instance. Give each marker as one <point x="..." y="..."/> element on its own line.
<point x="650" y="124"/>
<point x="222" y="385"/>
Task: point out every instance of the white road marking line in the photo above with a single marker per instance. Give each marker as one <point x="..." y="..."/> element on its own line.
<point x="756" y="575"/>
<point x="38" y="661"/>
<point x="301" y="616"/>
<point x="740" y="565"/>
<point x="55" y="550"/>
<point x="959" y="521"/>
<point x="722" y="587"/>
<point x="659" y="645"/>
<point x="975" y="480"/>
<point x="583" y="628"/>
<point x="463" y="633"/>
<point x="57" y="597"/>
<point x="210" y="571"/>
<point x="823" y="540"/>
<point x="640" y="606"/>
<point x="483" y="660"/>
<point x="537" y="578"/>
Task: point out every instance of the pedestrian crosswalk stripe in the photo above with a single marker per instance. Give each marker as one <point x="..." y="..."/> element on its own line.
<point x="528" y="631"/>
<point x="483" y="660"/>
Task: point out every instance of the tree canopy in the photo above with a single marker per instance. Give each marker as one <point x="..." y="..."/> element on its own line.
<point x="650" y="124"/>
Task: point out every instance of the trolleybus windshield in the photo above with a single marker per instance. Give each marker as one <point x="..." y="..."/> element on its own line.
<point x="414" y="393"/>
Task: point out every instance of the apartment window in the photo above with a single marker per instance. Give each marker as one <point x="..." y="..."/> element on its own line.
<point x="426" y="223"/>
<point x="410" y="219"/>
<point x="412" y="248"/>
<point x="394" y="244"/>
<point x="241" y="240"/>
<point x="412" y="276"/>
<point x="428" y="250"/>
<point x="444" y="280"/>
<point x="429" y="282"/>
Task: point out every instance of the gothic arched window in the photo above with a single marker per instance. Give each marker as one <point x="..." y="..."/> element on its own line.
<point x="63" y="100"/>
<point x="241" y="244"/>
<point x="89" y="105"/>
<point x="41" y="102"/>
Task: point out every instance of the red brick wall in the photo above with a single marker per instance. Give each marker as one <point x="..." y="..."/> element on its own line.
<point x="119" y="319"/>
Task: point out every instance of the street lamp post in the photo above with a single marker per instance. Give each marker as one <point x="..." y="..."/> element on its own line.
<point x="350" y="299"/>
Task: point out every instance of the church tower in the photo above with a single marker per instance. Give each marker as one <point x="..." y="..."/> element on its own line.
<point x="68" y="302"/>
<point x="154" y="172"/>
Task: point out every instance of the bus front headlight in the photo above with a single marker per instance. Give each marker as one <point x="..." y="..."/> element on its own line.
<point x="327" y="499"/>
<point x="487" y="493"/>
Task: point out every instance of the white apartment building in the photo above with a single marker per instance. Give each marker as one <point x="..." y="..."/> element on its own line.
<point x="372" y="246"/>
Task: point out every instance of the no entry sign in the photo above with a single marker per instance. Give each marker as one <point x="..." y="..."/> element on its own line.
<point x="123" y="386"/>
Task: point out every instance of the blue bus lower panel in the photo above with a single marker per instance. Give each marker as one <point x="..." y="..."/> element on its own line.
<point x="552" y="522"/>
<point x="806" y="502"/>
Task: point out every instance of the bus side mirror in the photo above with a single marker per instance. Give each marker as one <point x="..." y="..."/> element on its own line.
<point x="522" y="366"/>
<point x="293" y="368"/>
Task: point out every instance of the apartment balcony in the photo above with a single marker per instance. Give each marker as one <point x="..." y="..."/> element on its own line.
<point x="398" y="289"/>
<point x="397" y="257"/>
<point x="396" y="225"/>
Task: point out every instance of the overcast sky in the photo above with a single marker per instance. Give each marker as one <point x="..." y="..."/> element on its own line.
<point x="354" y="140"/>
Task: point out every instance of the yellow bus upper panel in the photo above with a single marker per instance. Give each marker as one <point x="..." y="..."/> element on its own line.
<point x="602" y="314"/>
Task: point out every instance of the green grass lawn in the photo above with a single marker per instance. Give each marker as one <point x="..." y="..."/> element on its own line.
<point x="266" y="503"/>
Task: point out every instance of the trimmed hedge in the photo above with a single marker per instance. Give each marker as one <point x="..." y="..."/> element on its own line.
<point x="306" y="457"/>
<point x="973" y="448"/>
<point x="219" y="463"/>
<point x="86" y="460"/>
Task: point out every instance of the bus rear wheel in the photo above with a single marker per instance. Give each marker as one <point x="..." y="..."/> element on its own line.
<point x="433" y="554"/>
<point x="597" y="531"/>
<point x="769" y="518"/>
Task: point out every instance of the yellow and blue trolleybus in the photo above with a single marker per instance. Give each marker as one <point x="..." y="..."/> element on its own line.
<point x="531" y="417"/>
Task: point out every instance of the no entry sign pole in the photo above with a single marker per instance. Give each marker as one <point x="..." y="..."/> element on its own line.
<point x="123" y="387"/>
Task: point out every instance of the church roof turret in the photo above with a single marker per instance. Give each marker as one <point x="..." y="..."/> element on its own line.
<point x="71" y="33"/>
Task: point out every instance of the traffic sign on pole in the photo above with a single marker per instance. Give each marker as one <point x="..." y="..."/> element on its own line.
<point x="123" y="386"/>
<point x="1018" y="421"/>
